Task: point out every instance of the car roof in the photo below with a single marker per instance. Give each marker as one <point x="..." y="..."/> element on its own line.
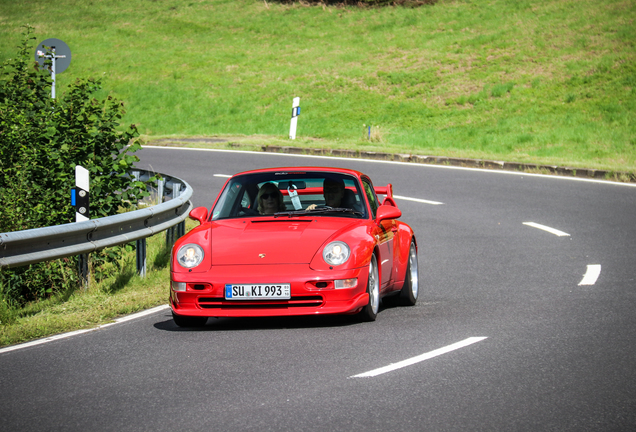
<point x="304" y="169"/>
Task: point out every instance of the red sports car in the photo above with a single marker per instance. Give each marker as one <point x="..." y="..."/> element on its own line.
<point x="294" y="241"/>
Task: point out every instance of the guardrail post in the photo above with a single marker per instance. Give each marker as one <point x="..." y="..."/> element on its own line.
<point x="141" y="257"/>
<point x="141" y="243"/>
<point x="169" y="239"/>
<point x="161" y="183"/>
<point x="173" y="233"/>
<point x="180" y="227"/>
<point x="84" y="270"/>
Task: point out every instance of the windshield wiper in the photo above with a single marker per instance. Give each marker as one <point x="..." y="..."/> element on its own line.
<point x="317" y="211"/>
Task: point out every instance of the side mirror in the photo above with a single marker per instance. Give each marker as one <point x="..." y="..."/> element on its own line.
<point x="387" y="212"/>
<point x="199" y="214"/>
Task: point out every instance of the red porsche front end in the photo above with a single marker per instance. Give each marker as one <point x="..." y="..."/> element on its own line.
<point x="271" y="267"/>
<point x="309" y="293"/>
<point x="293" y="241"/>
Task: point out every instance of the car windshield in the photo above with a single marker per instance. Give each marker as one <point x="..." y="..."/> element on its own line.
<point x="291" y="194"/>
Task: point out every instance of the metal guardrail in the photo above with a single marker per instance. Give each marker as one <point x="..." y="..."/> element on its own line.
<point x="20" y="248"/>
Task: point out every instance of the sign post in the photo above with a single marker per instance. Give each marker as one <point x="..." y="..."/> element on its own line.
<point x="60" y="55"/>
<point x="294" y="119"/>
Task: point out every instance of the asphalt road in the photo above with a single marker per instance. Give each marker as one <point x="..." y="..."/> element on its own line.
<point x="555" y="350"/>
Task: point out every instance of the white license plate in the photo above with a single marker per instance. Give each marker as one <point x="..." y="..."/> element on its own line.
<point x="258" y="292"/>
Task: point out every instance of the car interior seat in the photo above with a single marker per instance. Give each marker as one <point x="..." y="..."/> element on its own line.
<point x="349" y="200"/>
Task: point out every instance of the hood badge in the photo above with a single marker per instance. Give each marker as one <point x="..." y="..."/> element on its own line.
<point x="261" y="255"/>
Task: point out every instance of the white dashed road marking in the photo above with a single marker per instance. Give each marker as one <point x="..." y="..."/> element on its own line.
<point x="417" y="200"/>
<point x="547" y="228"/>
<point x="591" y="275"/>
<point x="420" y="358"/>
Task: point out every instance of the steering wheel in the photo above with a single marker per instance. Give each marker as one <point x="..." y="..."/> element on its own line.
<point x="247" y="211"/>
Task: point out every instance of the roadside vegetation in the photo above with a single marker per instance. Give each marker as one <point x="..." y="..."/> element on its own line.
<point x="121" y="293"/>
<point x="551" y="82"/>
<point x="42" y="140"/>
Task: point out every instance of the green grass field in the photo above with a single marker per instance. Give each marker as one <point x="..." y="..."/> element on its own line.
<point x="541" y="82"/>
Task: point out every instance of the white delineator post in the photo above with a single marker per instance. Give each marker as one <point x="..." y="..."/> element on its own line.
<point x="80" y="200"/>
<point x="294" y="119"/>
<point x="81" y="194"/>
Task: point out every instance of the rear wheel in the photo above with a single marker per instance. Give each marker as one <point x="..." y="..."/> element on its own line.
<point x="189" y="321"/>
<point x="370" y="311"/>
<point x="411" y="287"/>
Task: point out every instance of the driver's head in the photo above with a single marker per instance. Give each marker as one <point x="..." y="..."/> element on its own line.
<point x="333" y="190"/>
<point x="270" y="199"/>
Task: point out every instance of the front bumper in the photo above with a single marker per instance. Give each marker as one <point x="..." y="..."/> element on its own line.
<point x="312" y="292"/>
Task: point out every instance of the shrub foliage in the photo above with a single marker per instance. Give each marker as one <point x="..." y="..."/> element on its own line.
<point x="41" y="141"/>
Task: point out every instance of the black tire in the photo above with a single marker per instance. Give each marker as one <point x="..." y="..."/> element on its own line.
<point x="410" y="289"/>
<point x="370" y="311"/>
<point x="189" y="321"/>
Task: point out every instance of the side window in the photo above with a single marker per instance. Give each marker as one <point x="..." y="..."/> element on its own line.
<point x="246" y="201"/>
<point x="226" y="206"/>
<point x="373" y="199"/>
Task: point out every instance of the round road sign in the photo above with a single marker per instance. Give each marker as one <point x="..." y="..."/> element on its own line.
<point x="62" y="54"/>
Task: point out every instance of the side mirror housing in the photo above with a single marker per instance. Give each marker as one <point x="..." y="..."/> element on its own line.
<point x="199" y="214"/>
<point x="387" y="212"/>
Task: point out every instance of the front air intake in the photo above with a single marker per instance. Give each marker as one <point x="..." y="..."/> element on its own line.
<point x="221" y="303"/>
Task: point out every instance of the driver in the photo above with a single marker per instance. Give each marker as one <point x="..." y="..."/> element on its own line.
<point x="333" y="190"/>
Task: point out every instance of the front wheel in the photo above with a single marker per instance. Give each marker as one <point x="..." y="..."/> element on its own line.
<point x="411" y="287"/>
<point x="370" y="311"/>
<point x="189" y="321"/>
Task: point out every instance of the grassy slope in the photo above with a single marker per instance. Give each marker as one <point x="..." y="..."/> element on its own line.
<point x="549" y="82"/>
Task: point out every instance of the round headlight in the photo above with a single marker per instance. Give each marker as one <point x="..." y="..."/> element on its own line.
<point x="336" y="253"/>
<point x="190" y="255"/>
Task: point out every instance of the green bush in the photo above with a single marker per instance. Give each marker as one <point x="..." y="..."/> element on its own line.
<point x="41" y="142"/>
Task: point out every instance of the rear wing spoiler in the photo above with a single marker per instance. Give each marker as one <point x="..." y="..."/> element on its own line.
<point x="388" y="191"/>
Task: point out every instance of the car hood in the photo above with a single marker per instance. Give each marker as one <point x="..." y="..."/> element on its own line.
<point x="272" y="241"/>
